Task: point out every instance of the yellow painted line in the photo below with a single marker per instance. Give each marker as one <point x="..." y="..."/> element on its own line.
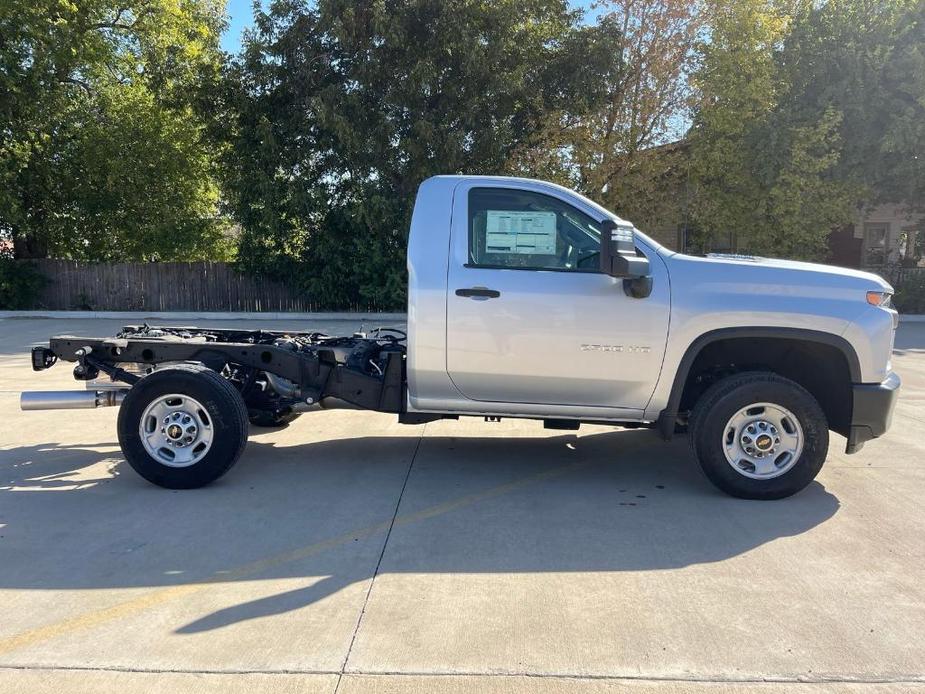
<point x="161" y="596"/>
<point x="92" y="619"/>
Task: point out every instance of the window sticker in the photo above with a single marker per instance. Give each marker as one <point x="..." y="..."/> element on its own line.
<point x="528" y="233"/>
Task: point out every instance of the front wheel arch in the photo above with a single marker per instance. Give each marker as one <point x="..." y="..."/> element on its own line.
<point x="840" y="371"/>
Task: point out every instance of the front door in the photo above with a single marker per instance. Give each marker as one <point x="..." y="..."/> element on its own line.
<point x="530" y="319"/>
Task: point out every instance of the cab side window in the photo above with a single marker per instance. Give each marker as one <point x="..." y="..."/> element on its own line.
<point x="523" y="230"/>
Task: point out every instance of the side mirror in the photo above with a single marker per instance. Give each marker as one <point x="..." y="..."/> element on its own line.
<point x="619" y="259"/>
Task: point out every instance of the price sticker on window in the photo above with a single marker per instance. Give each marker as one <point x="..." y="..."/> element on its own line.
<point x="527" y="233"/>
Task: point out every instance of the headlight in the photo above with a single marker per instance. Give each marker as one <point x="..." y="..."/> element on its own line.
<point x="881" y="299"/>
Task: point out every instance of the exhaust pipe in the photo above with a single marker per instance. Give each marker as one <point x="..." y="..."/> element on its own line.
<point x="326" y="403"/>
<point x="30" y="400"/>
<point x="69" y="399"/>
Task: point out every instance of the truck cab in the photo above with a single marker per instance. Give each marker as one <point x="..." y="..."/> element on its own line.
<point x="509" y="312"/>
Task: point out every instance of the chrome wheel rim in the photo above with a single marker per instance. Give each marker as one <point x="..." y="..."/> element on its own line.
<point x="763" y="441"/>
<point x="176" y="430"/>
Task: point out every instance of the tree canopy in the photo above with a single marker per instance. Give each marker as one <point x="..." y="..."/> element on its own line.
<point x="125" y="133"/>
<point x="102" y="147"/>
<point x="341" y="109"/>
<point x="805" y="112"/>
<point x="865" y="61"/>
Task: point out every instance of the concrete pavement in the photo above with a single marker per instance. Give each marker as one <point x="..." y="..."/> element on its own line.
<point x="349" y="553"/>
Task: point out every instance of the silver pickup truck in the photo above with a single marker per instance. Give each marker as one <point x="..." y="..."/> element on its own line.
<point x="526" y="299"/>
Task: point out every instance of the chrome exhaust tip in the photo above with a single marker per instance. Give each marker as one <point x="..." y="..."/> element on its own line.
<point x="69" y="399"/>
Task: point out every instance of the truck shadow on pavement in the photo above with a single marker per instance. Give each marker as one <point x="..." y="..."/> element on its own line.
<point x="321" y="512"/>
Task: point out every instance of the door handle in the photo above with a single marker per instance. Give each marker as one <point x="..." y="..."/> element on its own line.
<point x="479" y="292"/>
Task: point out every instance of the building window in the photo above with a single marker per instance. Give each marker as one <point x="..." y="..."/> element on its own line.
<point x="876" y="244"/>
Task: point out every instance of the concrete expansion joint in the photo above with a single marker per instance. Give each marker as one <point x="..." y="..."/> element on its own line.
<point x="828" y="678"/>
<point x="385" y="544"/>
<point x="820" y="679"/>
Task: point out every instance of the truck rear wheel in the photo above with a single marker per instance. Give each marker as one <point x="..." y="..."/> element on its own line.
<point x="758" y="435"/>
<point x="182" y="427"/>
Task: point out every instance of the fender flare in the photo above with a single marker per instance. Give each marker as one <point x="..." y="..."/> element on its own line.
<point x="667" y="417"/>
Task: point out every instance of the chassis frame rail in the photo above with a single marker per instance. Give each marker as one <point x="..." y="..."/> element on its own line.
<point x="318" y="373"/>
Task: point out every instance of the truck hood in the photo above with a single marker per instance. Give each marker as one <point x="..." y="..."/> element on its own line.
<point x="788" y="271"/>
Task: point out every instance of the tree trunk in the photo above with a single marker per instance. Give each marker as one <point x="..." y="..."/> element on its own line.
<point x="28" y="247"/>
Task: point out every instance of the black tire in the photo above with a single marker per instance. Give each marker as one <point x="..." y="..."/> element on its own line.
<point x="723" y="400"/>
<point x="223" y="405"/>
<point x="272" y="419"/>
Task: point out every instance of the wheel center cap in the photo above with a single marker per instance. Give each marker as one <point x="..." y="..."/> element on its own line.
<point x="764" y="442"/>
<point x="175" y="431"/>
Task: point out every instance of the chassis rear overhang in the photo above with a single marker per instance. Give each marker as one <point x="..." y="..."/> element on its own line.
<point x="316" y="371"/>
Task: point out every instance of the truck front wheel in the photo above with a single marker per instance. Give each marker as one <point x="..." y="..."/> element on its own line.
<point x="182" y="427"/>
<point x="758" y="435"/>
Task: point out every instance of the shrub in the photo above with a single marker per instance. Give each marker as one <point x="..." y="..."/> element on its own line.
<point x="21" y="282"/>
<point x="910" y="294"/>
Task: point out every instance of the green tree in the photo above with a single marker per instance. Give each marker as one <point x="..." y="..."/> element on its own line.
<point x="865" y="59"/>
<point x="341" y="109"/>
<point x="102" y="147"/>
<point x="629" y="152"/>
<point x="759" y="168"/>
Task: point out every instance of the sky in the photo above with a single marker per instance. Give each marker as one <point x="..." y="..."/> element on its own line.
<point x="240" y="16"/>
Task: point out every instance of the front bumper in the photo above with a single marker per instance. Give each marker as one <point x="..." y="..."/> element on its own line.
<point x="871" y="411"/>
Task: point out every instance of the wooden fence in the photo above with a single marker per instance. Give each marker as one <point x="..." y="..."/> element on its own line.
<point x="202" y="286"/>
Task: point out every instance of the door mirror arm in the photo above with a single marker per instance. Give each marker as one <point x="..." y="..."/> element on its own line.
<point x="620" y="260"/>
